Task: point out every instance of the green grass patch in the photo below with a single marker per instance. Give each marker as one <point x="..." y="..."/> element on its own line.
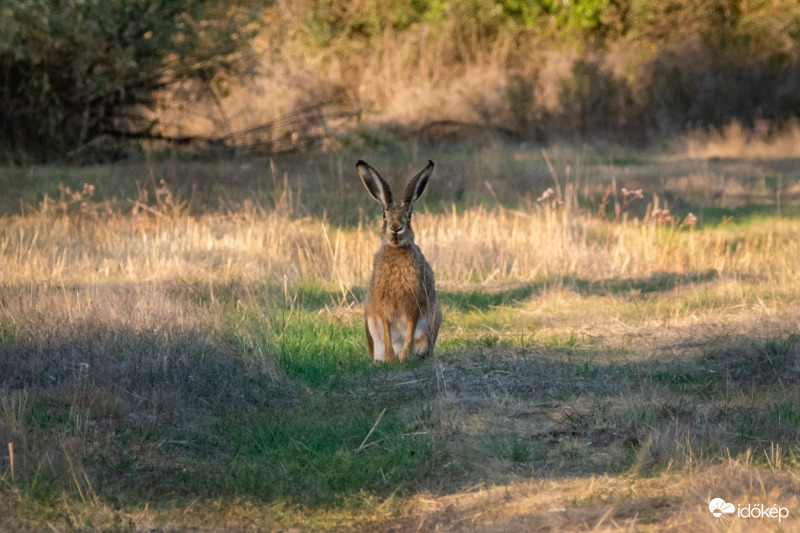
<point x="687" y="379"/>
<point x="316" y="454"/>
<point x="316" y="350"/>
<point x="740" y="217"/>
<point x="309" y="346"/>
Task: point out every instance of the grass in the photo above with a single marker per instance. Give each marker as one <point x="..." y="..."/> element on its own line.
<point x="734" y="140"/>
<point x="167" y="367"/>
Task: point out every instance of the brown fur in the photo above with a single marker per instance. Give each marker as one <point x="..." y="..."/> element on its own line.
<point x="402" y="290"/>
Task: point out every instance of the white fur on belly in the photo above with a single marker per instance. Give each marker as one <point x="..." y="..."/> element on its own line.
<point x="398" y="329"/>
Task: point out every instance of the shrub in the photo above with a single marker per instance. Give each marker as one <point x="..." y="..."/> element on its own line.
<point x="73" y="70"/>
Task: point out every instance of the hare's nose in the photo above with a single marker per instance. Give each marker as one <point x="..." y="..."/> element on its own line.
<point x="396" y="228"/>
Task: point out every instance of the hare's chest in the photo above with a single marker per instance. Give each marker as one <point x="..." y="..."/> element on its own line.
<point x="395" y="276"/>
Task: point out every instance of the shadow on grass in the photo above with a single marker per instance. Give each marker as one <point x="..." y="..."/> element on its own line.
<point x="184" y="417"/>
<point x="500" y="413"/>
<point x="660" y="282"/>
<point x="308" y="296"/>
<point x="315" y="296"/>
<point x="183" y="413"/>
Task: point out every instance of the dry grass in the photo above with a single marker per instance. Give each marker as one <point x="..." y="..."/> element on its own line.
<point x="474" y="246"/>
<point x="668" y="503"/>
<point x="763" y="141"/>
<point x="535" y="81"/>
<point x="160" y="370"/>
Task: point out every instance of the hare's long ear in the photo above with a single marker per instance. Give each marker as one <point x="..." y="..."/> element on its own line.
<point x="377" y="188"/>
<point x="417" y="185"/>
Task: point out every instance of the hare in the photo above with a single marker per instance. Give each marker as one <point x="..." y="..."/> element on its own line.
<point x="401" y="313"/>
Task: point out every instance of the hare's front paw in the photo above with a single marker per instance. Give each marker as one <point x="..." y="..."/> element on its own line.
<point x="405" y="353"/>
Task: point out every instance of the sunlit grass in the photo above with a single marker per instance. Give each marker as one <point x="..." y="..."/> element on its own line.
<point x="167" y="368"/>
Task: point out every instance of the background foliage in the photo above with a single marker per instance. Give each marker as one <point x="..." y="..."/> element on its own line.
<point x="73" y="72"/>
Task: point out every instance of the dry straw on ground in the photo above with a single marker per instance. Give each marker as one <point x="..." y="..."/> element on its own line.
<point x="478" y="245"/>
<point x="573" y="345"/>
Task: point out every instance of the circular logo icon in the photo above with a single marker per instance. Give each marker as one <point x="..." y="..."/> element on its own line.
<point x="719" y="508"/>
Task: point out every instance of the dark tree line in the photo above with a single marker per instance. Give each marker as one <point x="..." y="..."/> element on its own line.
<point x="73" y="72"/>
